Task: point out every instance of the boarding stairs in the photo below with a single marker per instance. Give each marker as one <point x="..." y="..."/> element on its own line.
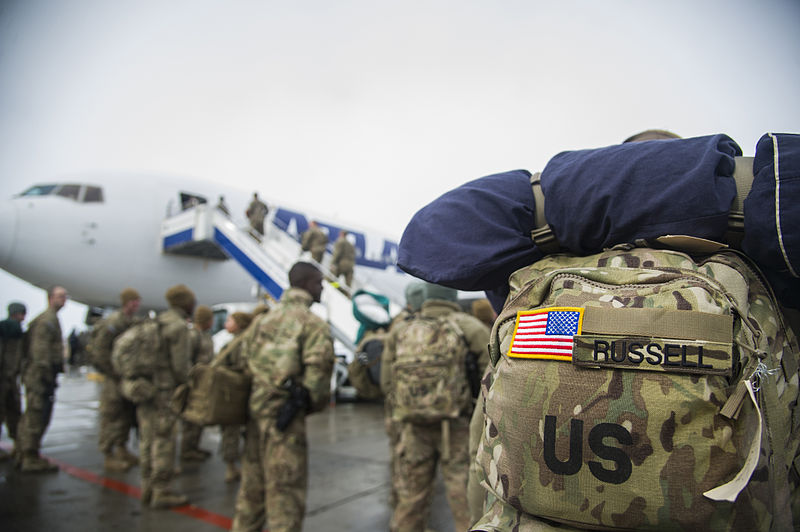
<point x="206" y="232"/>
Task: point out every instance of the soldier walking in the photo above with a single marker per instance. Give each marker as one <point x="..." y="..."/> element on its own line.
<point x="256" y="212"/>
<point x="202" y="352"/>
<point x="314" y="240"/>
<point x="344" y="258"/>
<point x="45" y="362"/>
<point x="433" y="413"/>
<point x="290" y="355"/>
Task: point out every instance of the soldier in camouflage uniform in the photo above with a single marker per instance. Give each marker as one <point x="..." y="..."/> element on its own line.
<point x="117" y="414"/>
<point x="256" y="212"/>
<point x="157" y="421"/>
<point x="421" y="446"/>
<point x="45" y="360"/>
<point x="202" y="353"/>
<point x="11" y="358"/>
<point x="290" y="355"/>
<point x="231" y="357"/>
<point x="344" y="258"/>
<point x="315" y="240"/>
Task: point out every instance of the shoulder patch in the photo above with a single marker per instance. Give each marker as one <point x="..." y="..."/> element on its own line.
<point x="546" y="333"/>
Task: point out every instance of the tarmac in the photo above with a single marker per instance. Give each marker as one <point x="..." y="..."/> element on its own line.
<point x="348" y="485"/>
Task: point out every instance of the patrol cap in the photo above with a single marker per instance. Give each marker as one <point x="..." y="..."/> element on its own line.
<point x="16" y="308"/>
<point x="242" y="319"/>
<point x="129" y="294"/>
<point x="203" y="314"/>
<point x="437" y="291"/>
<point x="415" y="295"/>
<point x="180" y="296"/>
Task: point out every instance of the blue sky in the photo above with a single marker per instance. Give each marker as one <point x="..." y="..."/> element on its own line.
<point x="368" y="110"/>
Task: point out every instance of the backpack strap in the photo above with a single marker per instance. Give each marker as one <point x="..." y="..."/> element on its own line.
<point x="542" y="235"/>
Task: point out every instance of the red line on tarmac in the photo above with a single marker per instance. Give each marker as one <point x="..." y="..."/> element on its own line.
<point x="189" y="510"/>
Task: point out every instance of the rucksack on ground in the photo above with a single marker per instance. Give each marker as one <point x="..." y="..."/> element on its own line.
<point x="134" y="358"/>
<point x="429" y="379"/>
<point x="641" y="389"/>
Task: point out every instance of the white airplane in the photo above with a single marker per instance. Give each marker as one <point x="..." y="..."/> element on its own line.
<point x="100" y="234"/>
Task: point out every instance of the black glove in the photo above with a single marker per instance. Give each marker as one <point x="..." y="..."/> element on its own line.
<point x="473" y="375"/>
<point x="299" y="400"/>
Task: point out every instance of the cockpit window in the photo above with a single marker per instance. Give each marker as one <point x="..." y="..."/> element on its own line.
<point x="69" y="191"/>
<point x="81" y="193"/>
<point x="39" y="190"/>
<point x="93" y="195"/>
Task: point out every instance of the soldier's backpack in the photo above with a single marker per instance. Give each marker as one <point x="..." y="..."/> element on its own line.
<point x="641" y="389"/>
<point x="134" y="357"/>
<point x="364" y="371"/>
<point x="214" y="395"/>
<point x="429" y="377"/>
<point x="100" y="345"/>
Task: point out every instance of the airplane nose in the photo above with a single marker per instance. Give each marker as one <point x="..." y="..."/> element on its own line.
<point x="8" y="232"/>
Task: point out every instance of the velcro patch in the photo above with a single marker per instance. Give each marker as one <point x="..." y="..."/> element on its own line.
<point x="546" y="333"/>
<point x="653" y="354"/>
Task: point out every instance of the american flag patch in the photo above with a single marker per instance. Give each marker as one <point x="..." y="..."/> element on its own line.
<point x="546" y="333"/>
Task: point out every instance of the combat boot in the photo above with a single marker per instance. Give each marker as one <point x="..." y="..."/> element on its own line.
<point x="232" y="473"/>
<point x="146" y="494"/>
<point x="124" y="454"/>
<point x="167" y="499"/>
<point x="33" y="463"/>
<point x="115" y="464"/>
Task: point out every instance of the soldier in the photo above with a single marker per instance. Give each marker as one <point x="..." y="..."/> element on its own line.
<point x="202" y="353"/>
<point x="117" y="414"/>
<point x="156" y="418"/>
<point x="424" y="444"/>
<point x="256" y="212"/>
<point x="45" y="360"/>
<point x="11" y="357"/>
<point x="290" y="355"/>
<point x="315" y="241"/>
<point x="344" y="258"/>
<point x="231" y="357"/>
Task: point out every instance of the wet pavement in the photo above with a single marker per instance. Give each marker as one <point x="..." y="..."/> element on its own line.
<point x="348" y="477"/>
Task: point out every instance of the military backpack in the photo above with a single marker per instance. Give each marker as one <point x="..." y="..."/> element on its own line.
<point x="134" y="358"/>
<point x="101" y="341"/>
<point x="429" y="377"/>
<point x="641" y="389"/>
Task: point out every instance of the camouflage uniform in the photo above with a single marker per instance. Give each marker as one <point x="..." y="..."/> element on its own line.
<point x="288" y="342"/>
<point x="231" y="357"/>
<point x="256" y="212"/>
<point x="315" y="241"/>
<point x="202" y="352"/>
<point x="156" y="418"/>
<point x="344" y="259"/>
<point x="11" y="358"/>
<point x="421" y="446"/>
<point x="117" y="414"/>
<point x="45" y="362"/>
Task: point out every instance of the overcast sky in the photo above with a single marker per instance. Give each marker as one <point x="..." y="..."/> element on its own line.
<point x="367" y="110"/>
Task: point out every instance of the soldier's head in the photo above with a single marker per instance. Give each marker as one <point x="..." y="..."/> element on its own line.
<point x="181" y="297"/>
<point x="203" y="317"/>
<point x="17" y="311"/>
<point x="57" y="297"/>
<point x="306" y="276"/>
<point x="415" y="295"/>
<point x="442" y="293"/>
<point x="237" y="322"/>
<point x="652" y="134"/>
<point x="130" y="300"/>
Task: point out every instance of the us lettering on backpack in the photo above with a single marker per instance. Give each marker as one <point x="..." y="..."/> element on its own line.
<point x="642" y="388"/>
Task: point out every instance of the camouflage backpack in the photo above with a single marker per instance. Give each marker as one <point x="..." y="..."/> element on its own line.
<point x="134" y="359"/>
<point x="99" y="347"/>
<point x="641" y="389"/>
<point x="429" y="378"/>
